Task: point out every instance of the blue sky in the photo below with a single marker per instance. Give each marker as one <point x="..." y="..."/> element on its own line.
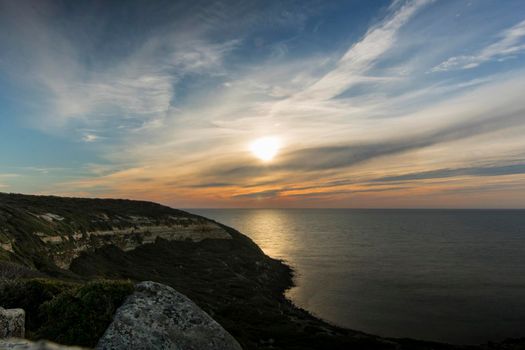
<point x="372" y="103"/>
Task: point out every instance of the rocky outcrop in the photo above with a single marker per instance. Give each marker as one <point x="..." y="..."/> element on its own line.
<point x="156" y="316"/>
<point x="48" y="232"/>
<point x="23" y="344"/>
<point x="64" y="248"/>
<point x="12" y="323"/>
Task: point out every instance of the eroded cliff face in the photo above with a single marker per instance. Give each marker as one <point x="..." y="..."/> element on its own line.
<point x="40" y="230"/>
<point x="63" y="248"/>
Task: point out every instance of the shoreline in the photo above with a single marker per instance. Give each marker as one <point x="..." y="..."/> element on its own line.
<point x="255" y="310"/>
<point x="230" y="278"/>
<point x="344" y="271"/>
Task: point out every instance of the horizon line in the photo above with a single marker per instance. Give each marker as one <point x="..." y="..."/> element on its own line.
<point x="344" y="208"/>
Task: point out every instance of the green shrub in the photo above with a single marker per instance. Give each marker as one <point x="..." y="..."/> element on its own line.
<point x="29" y="295"/>
<point x="80" y="316"/>
<point x="65" y="312"/>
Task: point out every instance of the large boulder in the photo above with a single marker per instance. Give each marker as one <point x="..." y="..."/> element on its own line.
<point x="156" y="316"/>
<point x="23" y="344"/>
<point x="12" y="323"/>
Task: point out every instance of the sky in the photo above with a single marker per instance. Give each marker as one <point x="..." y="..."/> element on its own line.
<point x="368" y="104"/>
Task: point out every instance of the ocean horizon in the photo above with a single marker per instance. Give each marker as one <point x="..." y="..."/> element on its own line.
<point x="449" y="275"/>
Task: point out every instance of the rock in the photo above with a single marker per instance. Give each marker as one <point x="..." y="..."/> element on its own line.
<point x="23" y="344"/>
<point x="156" y="316"/>
<point x="12" y="323"/>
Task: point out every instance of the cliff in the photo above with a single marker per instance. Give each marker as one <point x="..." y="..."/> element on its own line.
<point x="46" y="231"/>
<point x="91" y="250"/>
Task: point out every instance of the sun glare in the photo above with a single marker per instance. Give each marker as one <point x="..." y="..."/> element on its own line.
<point x="265" y="148"/>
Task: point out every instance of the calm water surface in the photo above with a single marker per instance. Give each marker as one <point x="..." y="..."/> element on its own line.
<point x="446" y="275"/>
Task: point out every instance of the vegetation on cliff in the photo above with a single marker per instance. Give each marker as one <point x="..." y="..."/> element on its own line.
<point x="231" y="279"/>
<point x="70" y="313"/>
<point x="46" y="232"/>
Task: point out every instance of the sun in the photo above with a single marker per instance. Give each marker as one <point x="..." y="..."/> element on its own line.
<point x="265" y="148"/>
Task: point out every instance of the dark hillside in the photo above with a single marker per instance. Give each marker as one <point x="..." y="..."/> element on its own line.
<point x="221" y="270"/>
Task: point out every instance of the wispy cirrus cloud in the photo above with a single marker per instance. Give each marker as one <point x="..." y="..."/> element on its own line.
<point x="170" y="111"/>
<point x="134" y="92"/>
<point x="356" y="62"/>
<point x="510" y="42"/>
<point x="466" y="117"/>
<point x="494" y="170"/>
<point x="90" y="138"/>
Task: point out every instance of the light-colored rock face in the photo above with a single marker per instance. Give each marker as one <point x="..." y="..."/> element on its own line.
<point x="23" y="344"/>
<point x="62" y="236"/>
<point x="156" y="316"/>
<point x="64" y="248"/>
<point x="12" y="323"/>
<point x="50" y="217"/>
<point x="7" y="247"/>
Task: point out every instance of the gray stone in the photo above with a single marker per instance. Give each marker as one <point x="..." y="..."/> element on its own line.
<point x="156" y="316"/>
<point x="12" y="323"/>
<point x="23" y="344"/>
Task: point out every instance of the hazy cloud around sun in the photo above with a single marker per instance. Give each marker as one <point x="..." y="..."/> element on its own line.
<point x="403" y="103"/>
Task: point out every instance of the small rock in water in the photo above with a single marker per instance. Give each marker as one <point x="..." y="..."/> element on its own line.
<point x="156" y="316"/>
<point x="12" y="323"/>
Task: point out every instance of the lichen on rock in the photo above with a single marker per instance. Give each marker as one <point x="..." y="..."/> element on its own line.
<point x="12" y="323"/>
<point x="156" y="316"/>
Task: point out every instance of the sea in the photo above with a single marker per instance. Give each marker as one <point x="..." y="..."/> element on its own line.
<point x="455" y="276"/>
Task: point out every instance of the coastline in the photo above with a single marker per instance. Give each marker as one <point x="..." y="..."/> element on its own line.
<point x="230" y="278"/>
<point x="244" y="290"/>
<point x="424" y="275"/>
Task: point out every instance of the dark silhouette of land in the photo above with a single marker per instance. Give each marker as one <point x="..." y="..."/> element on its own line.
<point x="231" y="279"/>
